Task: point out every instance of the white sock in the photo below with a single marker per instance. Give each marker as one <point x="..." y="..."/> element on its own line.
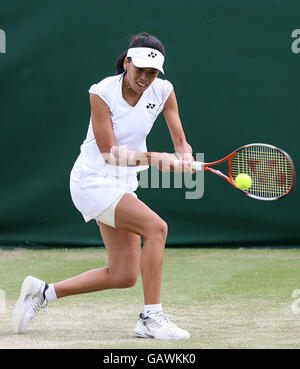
<point x="154" y="308"/>
<point x="50" y="293"/>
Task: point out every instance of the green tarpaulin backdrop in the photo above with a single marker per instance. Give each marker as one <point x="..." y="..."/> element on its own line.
<point x="237" y="80"/>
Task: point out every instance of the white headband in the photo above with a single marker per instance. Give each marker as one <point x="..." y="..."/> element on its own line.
<point x="145" y="57"/>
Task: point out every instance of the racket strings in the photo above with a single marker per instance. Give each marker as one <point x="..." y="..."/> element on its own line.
<point x="269" y="169"/>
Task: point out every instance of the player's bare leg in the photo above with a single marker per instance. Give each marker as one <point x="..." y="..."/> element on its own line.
<point x="133" y="215"/>
<point x="133" y="220"/>
<point x="123" y="250"/>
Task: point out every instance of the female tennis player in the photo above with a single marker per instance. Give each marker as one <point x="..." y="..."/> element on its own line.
<point x="103" y="183"/>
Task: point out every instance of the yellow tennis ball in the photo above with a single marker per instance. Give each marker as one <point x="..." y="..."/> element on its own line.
<point x="243" y="181"/>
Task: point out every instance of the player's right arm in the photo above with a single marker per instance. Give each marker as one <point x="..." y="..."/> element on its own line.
<point x="113" y="155"/>
<point x="102" y="124"/>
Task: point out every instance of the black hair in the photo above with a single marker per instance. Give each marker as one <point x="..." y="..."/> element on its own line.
<point x="142" y="39"/>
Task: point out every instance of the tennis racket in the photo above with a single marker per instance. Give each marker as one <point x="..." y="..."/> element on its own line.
<point x="271" y="169"/>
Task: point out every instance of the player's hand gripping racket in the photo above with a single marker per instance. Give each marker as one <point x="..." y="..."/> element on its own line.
<point x="271" y="169"/>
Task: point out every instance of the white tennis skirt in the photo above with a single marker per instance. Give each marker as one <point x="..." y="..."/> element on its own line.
<point x="96" y="195"/>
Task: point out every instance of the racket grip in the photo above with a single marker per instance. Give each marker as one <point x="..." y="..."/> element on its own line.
<point x="197" y="165"/>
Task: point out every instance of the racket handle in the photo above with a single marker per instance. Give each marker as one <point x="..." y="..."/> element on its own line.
<point x="197" y="165"/>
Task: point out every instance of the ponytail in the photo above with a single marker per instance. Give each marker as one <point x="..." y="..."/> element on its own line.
<point x="120" y="63"/>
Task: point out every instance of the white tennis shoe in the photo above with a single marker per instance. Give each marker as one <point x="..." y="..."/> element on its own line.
<point x="32" y="299"/>
<point x="158" y="325"/>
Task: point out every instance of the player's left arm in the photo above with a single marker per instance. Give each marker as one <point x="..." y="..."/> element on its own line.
<point x="171" y="113"/>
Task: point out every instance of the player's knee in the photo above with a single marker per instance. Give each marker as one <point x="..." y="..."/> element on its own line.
<point x="158" y="229"/>
<point x="126" y="281"/>
<point x="161" y="229"/>
<point x="130" y="281"/>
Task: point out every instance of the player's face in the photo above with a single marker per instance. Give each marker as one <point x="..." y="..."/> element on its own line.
<point x="139" y="79"/>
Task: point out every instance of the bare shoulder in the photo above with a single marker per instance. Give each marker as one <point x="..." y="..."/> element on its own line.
<point x="98" y="104"/>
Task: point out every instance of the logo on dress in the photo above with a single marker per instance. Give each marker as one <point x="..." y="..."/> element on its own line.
<point x="150" y="106"/>
<point x="152" y="55"/>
